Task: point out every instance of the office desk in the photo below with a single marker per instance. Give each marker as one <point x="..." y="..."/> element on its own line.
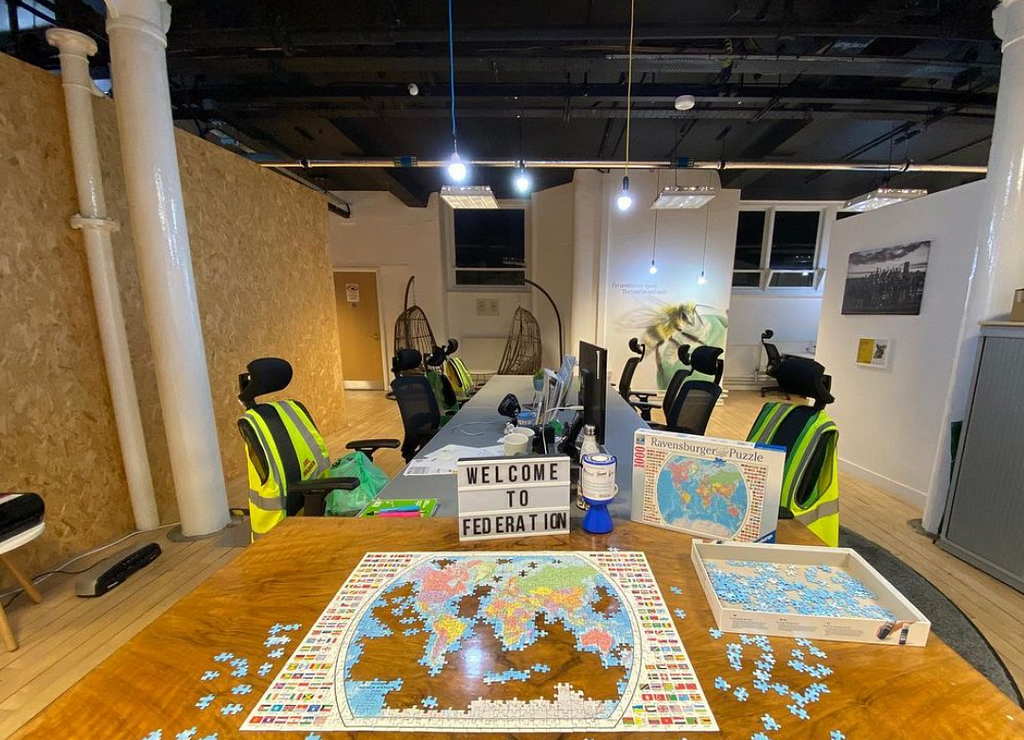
<point x="478" y="424"/>
<point x="289" y="576"/>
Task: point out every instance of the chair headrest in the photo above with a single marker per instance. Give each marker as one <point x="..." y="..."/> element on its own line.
<point x="767" y="334"/>
<point x="638" y="347"/>
<point x="435" y="358"/>
<point x="704" y="359"/>
<point x="406" y="359"/>
<point x="801" y="376"/>
<point x="451" y="347"/>
<point x="264" y="375"/>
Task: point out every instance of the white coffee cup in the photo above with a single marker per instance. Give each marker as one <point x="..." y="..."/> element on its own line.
<point x="516" y="444"/>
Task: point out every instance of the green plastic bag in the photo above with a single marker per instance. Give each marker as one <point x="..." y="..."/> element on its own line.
<point x="372" y="480"/>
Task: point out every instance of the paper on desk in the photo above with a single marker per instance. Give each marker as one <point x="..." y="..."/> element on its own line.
<point x="444" y="461"/>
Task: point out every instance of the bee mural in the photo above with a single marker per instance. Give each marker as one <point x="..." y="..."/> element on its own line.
<point x="669" y="326"/>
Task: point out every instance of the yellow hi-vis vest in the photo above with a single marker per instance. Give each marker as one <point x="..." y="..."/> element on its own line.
<point x="813" y="501"/>
<point x="293" y="450"/>
<point x="459" y="375"/>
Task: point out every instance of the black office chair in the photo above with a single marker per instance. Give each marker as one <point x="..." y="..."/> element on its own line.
<point x="644" y="405"/>
<point x="690" y="410"/>
<point x="301" y="491"/>
<point x="629" y="369"/>
<point x="774" y="359"/>
<point x="421" y="416"/>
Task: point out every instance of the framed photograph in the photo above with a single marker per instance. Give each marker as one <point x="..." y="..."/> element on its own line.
<point x="886" y="281"/>
<point x="874" y="352"/>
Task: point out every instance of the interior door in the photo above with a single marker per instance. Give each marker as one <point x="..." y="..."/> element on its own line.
<point x="359" y="329"/>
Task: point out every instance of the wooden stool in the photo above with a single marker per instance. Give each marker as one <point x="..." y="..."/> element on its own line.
<point x="5" y="547"/>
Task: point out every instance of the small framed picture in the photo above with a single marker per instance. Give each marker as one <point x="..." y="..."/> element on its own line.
<point x="874" y="352"/>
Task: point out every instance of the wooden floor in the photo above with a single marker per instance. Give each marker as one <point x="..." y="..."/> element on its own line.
<point x="65" y="637"/>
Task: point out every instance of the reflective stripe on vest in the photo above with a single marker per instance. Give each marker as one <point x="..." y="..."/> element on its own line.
<point x="302" y="426"/>
<point x="267" y="503"/>
<point x="771" y="423"/>
<point x="824" y="509"/>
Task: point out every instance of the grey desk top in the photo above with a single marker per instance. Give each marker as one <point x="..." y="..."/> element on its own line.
<point x="478" y="424"/>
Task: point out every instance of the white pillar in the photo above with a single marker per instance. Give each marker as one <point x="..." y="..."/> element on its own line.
<point x="999" y="261"/>
<point x="137" y="31"/>
<point x="75" y="50"/>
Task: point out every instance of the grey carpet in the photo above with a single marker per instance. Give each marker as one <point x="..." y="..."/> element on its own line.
<point x="948" y="622"/>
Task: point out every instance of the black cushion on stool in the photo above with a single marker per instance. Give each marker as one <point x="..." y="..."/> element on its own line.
<point x="20" y="512"/>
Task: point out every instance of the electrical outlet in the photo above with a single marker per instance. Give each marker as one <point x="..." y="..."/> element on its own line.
<point x="486" y="306"/>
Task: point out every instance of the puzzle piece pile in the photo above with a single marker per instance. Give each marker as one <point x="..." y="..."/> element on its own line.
<point x="239" y="669"/>
<point x="818" y="591"/>
<point x="762" y="674"/>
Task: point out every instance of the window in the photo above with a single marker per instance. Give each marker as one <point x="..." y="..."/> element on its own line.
<point x="490" y="247"/>
<point x="778" y="249"/>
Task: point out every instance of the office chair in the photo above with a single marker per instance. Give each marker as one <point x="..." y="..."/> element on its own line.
<point x="421" y="416"/>
<point x="690" y="410"/>
<point x="287" y="457"/>
<point x="810" y="483"/>
<point x="626" y="378"/>
<point x="773" y="357"/>
<point x="645" y="406"/>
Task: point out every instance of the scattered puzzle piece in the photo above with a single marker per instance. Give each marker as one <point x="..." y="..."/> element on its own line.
<point x="209" y="675"/>
<point x="721" y="684"/>
<point x="223" y="657"/>
<point x="154" y="735"/>
<point x="741" y="694"/>
<point x="241" y="672"/>
<point x="230" y="709"/>
<point x="798" y="711"/>
<point x="758" y="736"/>
<point x="679" y="613"/>
<point x="312" y="736"/>
<point x="186" y="734"/>
<point x="676" y="590"/>
<point x="211" y="736"/>
<point x="278" y="653"/>
<point x="769" y="723"/>
<point x="242" y="688"/>
<point x="265" y="669"/>
<point x="430" y="702"/>
<point x="715" y="633"/>
<point x="836" y="735"/>
<point x="205" y="701"/>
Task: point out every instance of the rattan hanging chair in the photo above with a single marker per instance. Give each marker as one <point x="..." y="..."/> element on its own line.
<point x="412" y="328"/>
<point x="523" y="349"/>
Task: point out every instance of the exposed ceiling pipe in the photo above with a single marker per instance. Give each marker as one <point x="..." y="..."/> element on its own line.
<point x="597" y="164"/>
<point x="75" y="50"/>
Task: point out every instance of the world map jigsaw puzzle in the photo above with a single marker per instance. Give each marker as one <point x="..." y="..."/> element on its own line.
<point x="491" y="642"/>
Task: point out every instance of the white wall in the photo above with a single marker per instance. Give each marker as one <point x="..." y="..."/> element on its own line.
<point x="891" y="421"/>
<point x="399" y="241"/>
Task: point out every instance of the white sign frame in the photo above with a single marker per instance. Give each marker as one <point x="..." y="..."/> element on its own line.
<point x="504" y="497"/>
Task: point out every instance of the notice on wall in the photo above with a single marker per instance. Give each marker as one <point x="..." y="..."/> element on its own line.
<point x="513" y="497"/>
<point x="352" y="292"/>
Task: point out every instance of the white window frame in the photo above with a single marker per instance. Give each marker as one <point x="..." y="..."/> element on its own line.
<point x="765" y="271"/>
<point x="448" y="233"/>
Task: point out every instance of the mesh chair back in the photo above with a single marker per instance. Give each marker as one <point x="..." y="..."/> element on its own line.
<point x="626" y="379"/>
<point x="691" y="409"/>
<point x="674" y="385"/>
<point x="420" y="415"/>
<point x="773" y="355"/>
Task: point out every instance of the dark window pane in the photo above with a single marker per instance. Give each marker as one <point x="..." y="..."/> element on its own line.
<point x="749" y="238"/>
<point x="489" y="277"/>
<point x="792" y="280"/>
<point x="490" y="238"/>
<point x="746" y="280"/>
<point x="794" y="238"/>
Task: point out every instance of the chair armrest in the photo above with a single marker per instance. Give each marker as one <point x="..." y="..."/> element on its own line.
<point x="656" y="425"/>
<point x="314" y="492"/>
<point x="644" y="405"/>
<point x="372" y="445"/>
<point x="641" y="396"/>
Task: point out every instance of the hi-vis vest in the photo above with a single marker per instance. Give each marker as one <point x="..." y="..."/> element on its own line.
<point x="813" y="501"/>
<point x="457" y="373"/>
<point x="275" y="425"/>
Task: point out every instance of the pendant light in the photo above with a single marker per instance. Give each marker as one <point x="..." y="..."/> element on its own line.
<point x="653" y="269"/>
<point x="457" y="170"/>
<point x="521" y="181"/>
<point x="704" y="257"/>
<point x="625" y="200"/>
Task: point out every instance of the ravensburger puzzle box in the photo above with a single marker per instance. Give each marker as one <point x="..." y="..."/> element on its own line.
<point x="715" y="488"/>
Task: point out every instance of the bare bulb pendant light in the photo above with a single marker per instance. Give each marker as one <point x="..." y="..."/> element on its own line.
<point x="653" y="269"/>
<point x="457" y="169"/>
<point x="625" y="200"/>
<point x="704" y="257"/>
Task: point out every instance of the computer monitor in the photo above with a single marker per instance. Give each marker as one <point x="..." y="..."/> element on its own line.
<point x="594" y="386"/>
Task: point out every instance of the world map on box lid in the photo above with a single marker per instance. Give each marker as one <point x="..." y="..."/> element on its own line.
<point x="485" y="641"/>
<point x="709" y="495"/>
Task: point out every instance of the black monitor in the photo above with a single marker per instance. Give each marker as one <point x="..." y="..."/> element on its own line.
<point x="594" y="386"/>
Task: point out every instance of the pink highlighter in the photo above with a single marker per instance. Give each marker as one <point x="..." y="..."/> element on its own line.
<point x="398" y="513"/>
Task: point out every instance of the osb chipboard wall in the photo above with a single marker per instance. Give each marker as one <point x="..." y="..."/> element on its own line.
<point x="259" y="252"/>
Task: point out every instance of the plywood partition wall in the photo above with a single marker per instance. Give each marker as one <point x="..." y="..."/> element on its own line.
<point x="259" y="250"/>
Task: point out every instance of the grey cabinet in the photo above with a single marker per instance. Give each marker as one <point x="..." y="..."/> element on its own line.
<point x="984" y="521"/>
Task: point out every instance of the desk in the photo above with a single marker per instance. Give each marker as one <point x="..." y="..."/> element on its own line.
<point x="480" y="418"/>
<point x="883" y="693"/>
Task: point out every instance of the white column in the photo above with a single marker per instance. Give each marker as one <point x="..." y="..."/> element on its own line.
<point x="75" y="50"/>
<point x="999" y="261"/>
<point x="137" y="31"/>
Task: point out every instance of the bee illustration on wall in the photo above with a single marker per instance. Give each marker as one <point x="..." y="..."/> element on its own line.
<point x="668" y="326"/>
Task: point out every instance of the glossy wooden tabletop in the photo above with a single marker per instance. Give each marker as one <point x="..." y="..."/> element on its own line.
<point x="289" y="576"/>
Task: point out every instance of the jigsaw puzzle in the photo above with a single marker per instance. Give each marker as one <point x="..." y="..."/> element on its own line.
<point x="497" y="642"/>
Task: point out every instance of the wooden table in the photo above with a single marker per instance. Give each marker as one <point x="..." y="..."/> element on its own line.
<point x="289" y="576"/>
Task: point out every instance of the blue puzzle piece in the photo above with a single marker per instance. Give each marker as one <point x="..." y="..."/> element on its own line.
<point x="312" y="736"/>
<point x="275" y="629"/>
<point x="242" y="688"/>
<point x="230" y="709"/>
<point x="715" y="633"/>
<point x="797" y="653"/>
<point x="679" y="613"/>
<point x="780" y="688"/>
<point x="836" y="735"/>
<point x="278" y="653"/>
<point x="798" y="711"/>
<point x="741" y="694"/>
<point x="265" y="669"/>
<point x="223" y="657"/>
<point x="817" y="652"/>
<point x="541" y="667"/>
<point x="241" y="672"/>
<point x="209" y="675"/>
<point x="205" y="701"/>
<point x="769" y="723"/>
<point x="761" y="686"/>
<point x="211" y="736"/>
<point x="613" y="548"/>
<point x="154" y="735"/>
<point x="293" y="626"/>
<point x="186" y="734"/>
<point x="758" y="736"/>
<point x="430" y="702"/>
<point x="721" y="684"/>
<point x="676" y="590"/>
